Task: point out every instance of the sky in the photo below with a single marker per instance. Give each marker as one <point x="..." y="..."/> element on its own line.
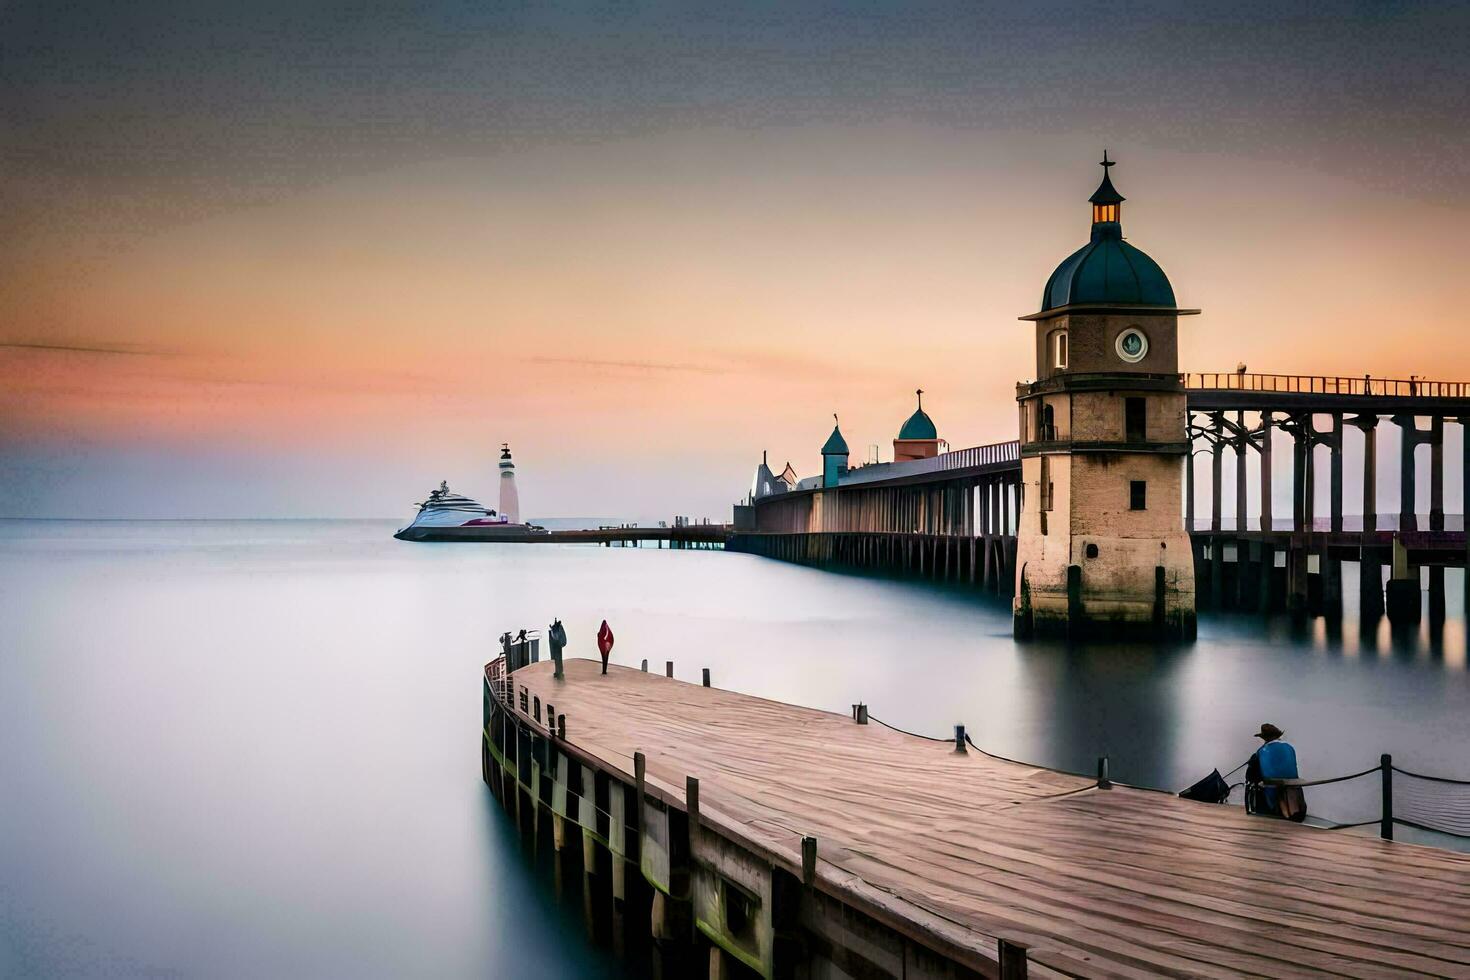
<point x="306" y="260"/>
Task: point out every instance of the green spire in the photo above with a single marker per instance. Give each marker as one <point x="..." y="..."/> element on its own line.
<point x="835" y="444"/>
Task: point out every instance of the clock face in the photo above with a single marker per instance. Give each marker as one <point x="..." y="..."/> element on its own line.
<point x="1132" y="345"/>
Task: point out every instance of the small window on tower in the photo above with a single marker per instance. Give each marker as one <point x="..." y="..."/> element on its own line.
<point x="1135" y="419"/>
<point x="1137" y="495"/>
<point x="1061" y="350"/>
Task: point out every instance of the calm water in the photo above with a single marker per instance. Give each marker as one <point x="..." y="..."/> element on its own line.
<point x="250" y="749"/>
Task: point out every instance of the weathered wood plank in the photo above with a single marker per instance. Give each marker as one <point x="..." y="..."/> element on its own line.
<point x="972" y="848"/>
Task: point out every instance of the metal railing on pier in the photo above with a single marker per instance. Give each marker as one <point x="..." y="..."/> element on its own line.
<point x="991" y="454"/>
<point x="1309" y="384"/>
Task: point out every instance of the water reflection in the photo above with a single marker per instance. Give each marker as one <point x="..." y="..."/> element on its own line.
<point x="265" y="735"/>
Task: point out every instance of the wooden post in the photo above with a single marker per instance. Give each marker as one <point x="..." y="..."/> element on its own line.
<point x="1385" y="821"/>
<point x="645" y="666"/>
<point x="808" y="860"/>
<point x="1103" y="782"/>
<point x="691" y="803"/>
<point x="706" y="677"/>
<point x="668" y="668"/>
<point x="1012" y="958"/>
<point x="959" y="738"/>
<point x="1266" y="428"/>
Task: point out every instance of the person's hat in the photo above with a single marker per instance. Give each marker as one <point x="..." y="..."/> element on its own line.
<point x="1269" y="732"/>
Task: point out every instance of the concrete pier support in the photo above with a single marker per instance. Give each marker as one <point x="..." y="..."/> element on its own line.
<point x="1267" y="424"/>
<point x="1436" y="474"/>
<point x="1409" y="440"/>
<point x="1217" y="447"/>
<point x="1370" y="589"/>
<point x="1336" y="475"/>
<point x="1369" y="426"/>
<point x="1242" y="447"/>
<point x="1403" y="593"/>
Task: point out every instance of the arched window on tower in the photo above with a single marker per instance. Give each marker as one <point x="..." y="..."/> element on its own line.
<point x="1059" y="350"/>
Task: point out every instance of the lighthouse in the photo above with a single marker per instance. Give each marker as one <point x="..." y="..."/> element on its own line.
<point x="510" y="500"/>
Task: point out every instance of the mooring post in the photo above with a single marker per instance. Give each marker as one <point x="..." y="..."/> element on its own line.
<point x="959" y="738"/>
<point x="668" y="668"/>
<point x="861" y="713"/>
<point x="706" y="677"/>
<point x="645" y="666"/>
<point x="691" y="804"/>
<point x="1012" y="960"/>
<point x="808" y="860"/>
<point x="1385" y="823"/>
<point x="1103" y="782"/>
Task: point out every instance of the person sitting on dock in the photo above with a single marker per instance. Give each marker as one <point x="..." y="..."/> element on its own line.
<point x="1274" y="760"/>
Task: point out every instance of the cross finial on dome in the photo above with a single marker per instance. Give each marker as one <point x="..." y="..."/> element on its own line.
<point x="1107" y="163"/>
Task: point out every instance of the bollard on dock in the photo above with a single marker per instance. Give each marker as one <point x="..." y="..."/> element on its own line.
<point x="959" y="738"/>
<point x="668" y="668"/>
<point x="808" y="860"/>
<point x="706" y="677"/>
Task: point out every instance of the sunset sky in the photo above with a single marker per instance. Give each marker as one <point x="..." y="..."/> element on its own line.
<point x="295" y="259"/>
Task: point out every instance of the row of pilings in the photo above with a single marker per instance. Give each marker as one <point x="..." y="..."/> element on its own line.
<point x="986" y="562"/>
<point x="1308" y="574"/>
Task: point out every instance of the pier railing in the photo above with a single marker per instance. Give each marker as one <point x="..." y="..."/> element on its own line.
<point x="1438" y="804"/>
<point x="1309" y="384"/>
<point x="991" y="454"/>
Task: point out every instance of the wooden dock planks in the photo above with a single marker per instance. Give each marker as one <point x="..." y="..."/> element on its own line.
<point x="1118" y="882"/>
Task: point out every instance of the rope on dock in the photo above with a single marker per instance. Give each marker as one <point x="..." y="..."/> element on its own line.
<point x="901" y="731"/>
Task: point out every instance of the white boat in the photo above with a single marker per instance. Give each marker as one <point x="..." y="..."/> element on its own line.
<point x="449" y="516"/>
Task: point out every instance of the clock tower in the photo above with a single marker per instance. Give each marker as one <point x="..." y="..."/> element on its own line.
<point x="1102" y="546"/>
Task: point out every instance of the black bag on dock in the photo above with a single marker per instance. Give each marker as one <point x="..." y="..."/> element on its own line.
<point x="1211" y="789"/>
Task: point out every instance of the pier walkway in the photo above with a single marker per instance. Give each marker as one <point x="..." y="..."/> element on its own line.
<point x="956" y="852"/>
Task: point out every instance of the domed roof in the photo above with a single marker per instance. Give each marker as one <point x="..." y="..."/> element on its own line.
<point x="1107" y="270"/>
<point x="919" y="424"/>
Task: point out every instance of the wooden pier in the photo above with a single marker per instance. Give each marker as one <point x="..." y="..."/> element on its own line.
<point x="685" y="536"/>
<point x="749" y="837"/>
